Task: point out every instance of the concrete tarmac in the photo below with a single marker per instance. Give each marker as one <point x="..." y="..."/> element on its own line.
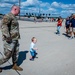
<point x="56" y="53"/>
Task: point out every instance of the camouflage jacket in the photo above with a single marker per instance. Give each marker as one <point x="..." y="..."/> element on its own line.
<point x="10" y="27"/>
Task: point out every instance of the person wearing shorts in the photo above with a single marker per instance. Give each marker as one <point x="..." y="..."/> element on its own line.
<point x="72" y="26"/>
<point x="67" y="25"/>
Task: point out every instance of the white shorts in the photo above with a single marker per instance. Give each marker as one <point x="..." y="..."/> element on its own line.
<point x="72" y="29"/>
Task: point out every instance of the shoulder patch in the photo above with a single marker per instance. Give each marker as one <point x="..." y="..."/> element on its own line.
<point x="6" y="20"/>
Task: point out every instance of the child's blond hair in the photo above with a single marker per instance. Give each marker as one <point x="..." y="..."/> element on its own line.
<point x="33" y="39"/>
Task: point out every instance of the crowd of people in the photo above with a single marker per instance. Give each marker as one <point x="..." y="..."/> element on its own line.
<point x="70" y="26"/>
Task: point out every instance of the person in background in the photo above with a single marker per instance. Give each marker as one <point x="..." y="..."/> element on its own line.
<point x="72" y="26"/>
<point x="67" y="25"/>
<point x="59" y="24"/>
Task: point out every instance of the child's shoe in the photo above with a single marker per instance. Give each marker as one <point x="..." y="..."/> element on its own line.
<point x="31" y="59"/>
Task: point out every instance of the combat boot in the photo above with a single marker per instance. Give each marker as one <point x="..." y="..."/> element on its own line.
<point x="0" y="70"/>
<point x="16" y="67"/>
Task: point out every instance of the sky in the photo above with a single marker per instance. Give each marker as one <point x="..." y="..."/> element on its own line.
<point x="61" y="8"/>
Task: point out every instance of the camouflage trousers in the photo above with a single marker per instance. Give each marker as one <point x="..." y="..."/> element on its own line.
<point x="10" y="50"/>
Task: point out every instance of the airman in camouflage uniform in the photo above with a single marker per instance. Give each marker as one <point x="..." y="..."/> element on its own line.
<point x="10" y="34"/>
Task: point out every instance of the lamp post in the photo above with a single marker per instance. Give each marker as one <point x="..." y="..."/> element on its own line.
<point x="19" y="7"/>
<point x="39" y="11"/>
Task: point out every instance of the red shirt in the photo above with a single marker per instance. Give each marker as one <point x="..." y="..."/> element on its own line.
<point x="59" y="23"/>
